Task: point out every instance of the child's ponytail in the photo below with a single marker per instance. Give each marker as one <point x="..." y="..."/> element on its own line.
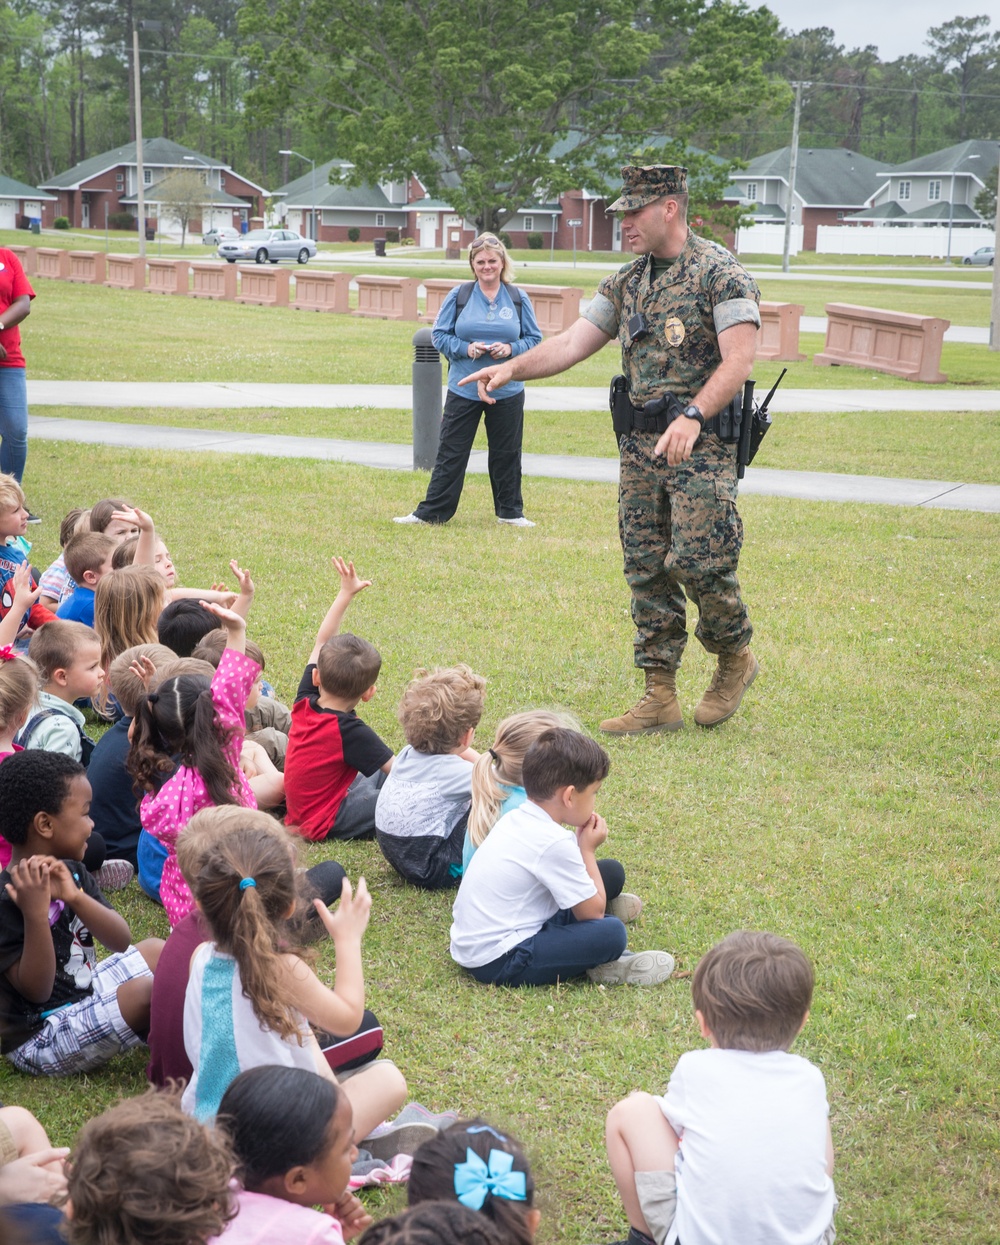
<point x="246" y="889"/>
<point x="499" y="768"/>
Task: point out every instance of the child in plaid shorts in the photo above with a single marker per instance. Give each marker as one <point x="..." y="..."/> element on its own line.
<point x="60" y="1010"/>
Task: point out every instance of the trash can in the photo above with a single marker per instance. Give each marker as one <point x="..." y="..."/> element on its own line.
<point x="36" y="224"/>
<point x="150" y="234"/>
<point x="244" y="227"/>
<point x="380" y="247"/>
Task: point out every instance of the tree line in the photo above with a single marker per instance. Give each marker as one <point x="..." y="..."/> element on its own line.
<point x="492" y="104"/>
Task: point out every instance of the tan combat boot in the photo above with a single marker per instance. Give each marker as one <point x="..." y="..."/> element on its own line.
<point x="658" y="709"/>
<point x="733" y="675"/>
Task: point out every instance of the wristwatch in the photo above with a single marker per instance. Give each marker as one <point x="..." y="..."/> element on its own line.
<point x="692" y="412"/>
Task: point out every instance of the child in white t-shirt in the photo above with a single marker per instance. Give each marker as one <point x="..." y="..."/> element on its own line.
<point x="423" y="806"/>
<point x="532" y="906"/>
<point x="739" y="1147"/>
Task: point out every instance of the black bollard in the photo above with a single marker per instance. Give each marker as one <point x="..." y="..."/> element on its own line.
<point x="426" y="400"/>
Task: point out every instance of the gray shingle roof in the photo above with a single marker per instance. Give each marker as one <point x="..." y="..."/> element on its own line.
<point x="155" y="151"/>
<point x="11" y="188"/>
<point x="976" y="157"/>
<point x="824" y="176"/>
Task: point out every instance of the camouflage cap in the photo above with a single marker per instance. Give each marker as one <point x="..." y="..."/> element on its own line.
<point x="644" y="184"/>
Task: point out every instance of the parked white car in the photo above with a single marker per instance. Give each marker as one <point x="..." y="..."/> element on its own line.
<point x="222" y="233"/>
<point x="267" y="246"/>
<point x="983" y="256"/>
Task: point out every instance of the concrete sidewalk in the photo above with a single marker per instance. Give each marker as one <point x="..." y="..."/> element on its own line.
<point x="802" y="485"/>
<point x="212" y="395"/>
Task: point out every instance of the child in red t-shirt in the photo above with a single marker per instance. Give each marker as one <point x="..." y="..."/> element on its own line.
<point x="335" y="764"/>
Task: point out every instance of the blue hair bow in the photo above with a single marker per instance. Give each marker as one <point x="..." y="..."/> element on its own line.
<point x="474" y="1179"/>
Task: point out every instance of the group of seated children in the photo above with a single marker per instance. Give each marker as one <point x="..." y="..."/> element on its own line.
<point x="229" y="1001"/>
<point x="737" y="1149"/>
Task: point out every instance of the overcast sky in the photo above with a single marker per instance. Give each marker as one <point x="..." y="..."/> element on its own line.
<point x="896" y="30"/>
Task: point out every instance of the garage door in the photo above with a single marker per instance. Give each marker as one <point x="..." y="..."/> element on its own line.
<point x="8" y="213"/>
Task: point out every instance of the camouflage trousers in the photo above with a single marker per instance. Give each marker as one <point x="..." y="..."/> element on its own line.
<point x="681" y="538"/>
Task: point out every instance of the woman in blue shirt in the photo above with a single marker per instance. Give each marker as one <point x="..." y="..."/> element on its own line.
<point x="491" y="318"/>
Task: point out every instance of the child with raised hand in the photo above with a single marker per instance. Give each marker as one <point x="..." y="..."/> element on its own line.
<point x="739" y="1147"/>
<point x="423" y="807"/>
<point x="532" y="907"/>
<point x="251" y="1001"/>
<point x="292" y="1133"/>
<point x="60" y="1010"/>
<point x="478" y="1166"/>
<point x="145" y="1171"/>
<point x="200" y="722"/>
<point x="335" y="763"/>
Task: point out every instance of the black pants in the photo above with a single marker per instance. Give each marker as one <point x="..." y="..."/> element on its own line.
<point x="459" y="425"/>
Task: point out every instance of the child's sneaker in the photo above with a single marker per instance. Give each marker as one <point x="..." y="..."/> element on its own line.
<point x="388" y="1140"/>
<point x="626" y="907"/>
<point x="114" y="875"/>
<point x="634" y="968"/>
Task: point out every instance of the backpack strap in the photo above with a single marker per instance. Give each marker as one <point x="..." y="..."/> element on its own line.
<point x="465" y="293"/>
<point x="29" y="730"/>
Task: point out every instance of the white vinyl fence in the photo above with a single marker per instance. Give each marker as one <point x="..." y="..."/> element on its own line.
<point x="924" y="240"/>
<point x="767" y="240"/>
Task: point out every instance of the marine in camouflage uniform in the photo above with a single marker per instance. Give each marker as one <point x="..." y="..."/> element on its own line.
<point x="680" y="530"/>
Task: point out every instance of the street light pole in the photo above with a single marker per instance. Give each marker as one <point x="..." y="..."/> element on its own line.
<point x="287" y="151"/>
<point x="793" y="164"/>
<point x="139" y="169"/>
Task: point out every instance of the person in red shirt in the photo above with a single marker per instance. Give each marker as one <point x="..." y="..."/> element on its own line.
<point x="335" y="763"/>
<point x="15" y="304"/>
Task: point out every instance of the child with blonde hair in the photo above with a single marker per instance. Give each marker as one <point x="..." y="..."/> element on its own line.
<point x="423" y="807"/>
<point x="496" y="775"/>
<point x="251" y="1000"/>
<point x="18" y="690"/>
<point x="127" y="604"/>
<point x="68" y="657"/>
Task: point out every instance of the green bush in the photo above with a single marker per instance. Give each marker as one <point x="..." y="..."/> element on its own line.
<point x="535" y="241"/>
<point x="122" y="220"/>
<point x="392" y="235"/>
<point x="61" y="222"/>
<point x="353" y="234"/>
<point x="505" y="239"/>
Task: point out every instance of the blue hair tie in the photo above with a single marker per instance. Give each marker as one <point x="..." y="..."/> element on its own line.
<point x="474" y="1179"/>
<point x="245" y="882"/>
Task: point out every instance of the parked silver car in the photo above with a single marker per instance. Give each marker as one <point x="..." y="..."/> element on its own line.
<point x="267" y="246"/>
<point x="222" y="233"/>
<point x="983" y="256"/>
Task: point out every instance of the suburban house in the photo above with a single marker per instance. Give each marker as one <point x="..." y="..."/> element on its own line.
<point x="831" y="184"/>
<point x="934" y="189"/>
<point x="20" y="203"/>
<point x="320" y="205"/>
<point x="107" y="184"/>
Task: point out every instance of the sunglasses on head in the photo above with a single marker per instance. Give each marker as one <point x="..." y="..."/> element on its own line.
<point x="485" y="239"/>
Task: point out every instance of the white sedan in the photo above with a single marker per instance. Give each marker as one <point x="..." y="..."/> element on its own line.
<point x="267" y="246"/>
<point x="983" y="256"/>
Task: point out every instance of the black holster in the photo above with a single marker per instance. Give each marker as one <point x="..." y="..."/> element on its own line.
<point x="656" y="416"/>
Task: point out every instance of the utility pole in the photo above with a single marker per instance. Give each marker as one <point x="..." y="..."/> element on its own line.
<point x="995" y="304"/>
<point x="793" y="165"/>
<point x="139" y="172"/>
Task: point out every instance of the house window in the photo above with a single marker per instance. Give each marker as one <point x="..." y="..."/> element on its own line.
<point x="529" y="224"/>
<point x="380" y="220"/>
<point x="904" y="190"/>
<point x="840" y="216"/>
<point x="752" y="191"/>
<point x="222" y="182"/>
<point x="147" y="177"/>
<point x="120" y="180"/>
<point x="934" y="191"/>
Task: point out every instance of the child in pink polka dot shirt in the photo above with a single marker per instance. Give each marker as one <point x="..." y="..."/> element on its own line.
<point x="191" y="730"/>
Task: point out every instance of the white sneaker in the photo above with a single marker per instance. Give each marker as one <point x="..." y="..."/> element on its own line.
<point x="521" y="521"/>
<point x="409" y="518"/>
<point x="634" y="968"/>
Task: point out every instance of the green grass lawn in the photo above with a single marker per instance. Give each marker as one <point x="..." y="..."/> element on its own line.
<point x="912" y="444"/>
<point x="850" y="805"/>
<point x="83" y="332"/>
